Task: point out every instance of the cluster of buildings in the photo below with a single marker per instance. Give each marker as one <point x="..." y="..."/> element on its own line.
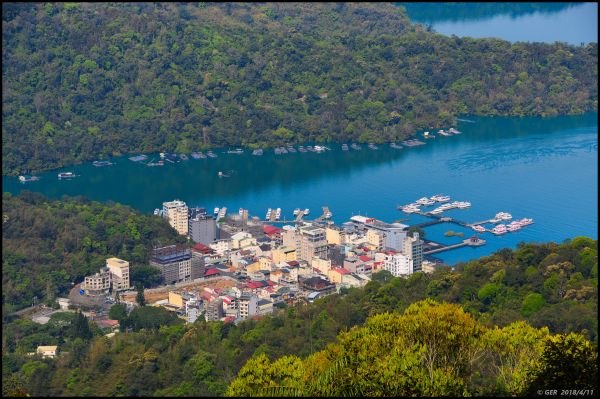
<point x="268" y="265"/>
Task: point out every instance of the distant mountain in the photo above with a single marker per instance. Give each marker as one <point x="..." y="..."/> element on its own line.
<point x="85" y="80"/>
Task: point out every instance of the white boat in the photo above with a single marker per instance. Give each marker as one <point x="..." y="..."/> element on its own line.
<point x="278" y="214"/>
<point x="464" y="205"/>
<point x="503" y="216"/>
<point x="454" y="131"/>
<point x="436" y="211"/>
<point x="499" y="229"/>
<point x="422" y="201"/>
<point x="443" y="133"/>
<point x="156" y="211"/>
<point x="66" y="175"/>
<point x="525" y="221"/>
<point x="478" y="228"/>
<point x="296" y="211"/>
<point x="216" y="211"/>
<point x="241" y="211"/>
<point x="306" y="211"/>
<point x="440" y="198"/>
<point x="268" y="216"/>
<point x="410" y="209"/>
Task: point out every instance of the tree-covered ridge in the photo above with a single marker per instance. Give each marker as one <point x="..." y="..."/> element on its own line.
<point x="430" y="350"/>
<point x="546" y="285"/>
<point x="85" y="80"/>
<point x="47" y="245"/>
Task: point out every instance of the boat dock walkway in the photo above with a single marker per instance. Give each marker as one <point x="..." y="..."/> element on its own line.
<point x="299" y="216"/>
<point x="469" y="242"/>
<point x="324" y="215"/>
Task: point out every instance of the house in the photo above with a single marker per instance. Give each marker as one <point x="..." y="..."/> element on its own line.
<point x="47" y="351"/>
<point x="335" y="275"/>
<point x="63" y="303"/>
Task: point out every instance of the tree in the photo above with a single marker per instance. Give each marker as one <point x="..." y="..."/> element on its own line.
<point x="80" y="327"/>
<point x="141" y="300"/>
<point x="568" y="362"/>
<point x="118" y="312"/>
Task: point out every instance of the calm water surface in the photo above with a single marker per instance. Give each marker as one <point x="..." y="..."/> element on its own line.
<point x="573" y="23"/>
<point x="542" y="168"/>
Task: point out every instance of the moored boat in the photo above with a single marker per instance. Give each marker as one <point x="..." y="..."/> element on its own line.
<point x="66" y="175"/>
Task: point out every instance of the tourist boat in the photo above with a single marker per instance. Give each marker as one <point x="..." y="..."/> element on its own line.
<point x="278" y="214"/>
<point x="499" y="229"/>
<point x="237" y="151"/>
<point x="344" y="147"/>
<point x="277" y="151"/>
<point x="428" y="135"/>
<point x="464" y="205"/>
<point x="162" y="154"/>
<point x="454" y="131"/>
<point x="409" y="209"/>
<point x="27" y="178"/>
<point x="525" y="221"/>
<point x="211" y="154"/>
<point x="291" y="149"/>
<point x="372" y="146"/>
<point x="356" y="147"/>
<point x="443" y="133"/>
<point x="195" y="155"/>
<point x="66" y="175"/>
<point x="156" y="211"/>
<point x="202" y="156"/>
<point x="478" y="228"/>
<point x="309" y="148"/>
<point x="138" y="158"/>
<point x="301" y="148"/>
<point x="514" y="226"/>
<point x="296" y="211"/>
<point x="216" y="211"/>
<point x="257" y="152"/>
<point x="102" y="163"/>
<point x="436" y="211"/>
<point x="268" y="215"/>
<point x="440" y="198"/>
<point x="422" y="201"/>
<point x="159" y="163"/>
<point x="396" y="146"/>
<point x="183" y="157"/>
<point x="319" y="148"/>
<point x="306" y="211"/>
<point x="283" y="150"/>
<point x="503" y="216"/>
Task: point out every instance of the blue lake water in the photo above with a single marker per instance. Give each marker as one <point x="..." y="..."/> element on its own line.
<point x="573" y="23"/>
<point x="541" y="168"/>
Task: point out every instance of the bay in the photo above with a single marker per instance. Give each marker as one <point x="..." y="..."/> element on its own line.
<point x="541" y="168"/>
<point x="573" y="23"/>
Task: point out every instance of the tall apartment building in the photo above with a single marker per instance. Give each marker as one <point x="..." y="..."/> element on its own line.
<point x="202" y="228"/>
<point x="120" y="273"/>
<point x="376" y="238"/>
<point x="97" y="283"/>
<point x="214" y="310"/>
<point x="398" y="264"/>
<point x="248" y="305"/>
<point x="177" y="214"/>
<point x="413" y="247"/>
<point x="394" y="234"/>
<point x="311" y="243"/>
<point x="176" y="264"/>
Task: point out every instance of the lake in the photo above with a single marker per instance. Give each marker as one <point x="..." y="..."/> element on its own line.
<point x="573" y="23"/>
<point x="541" y="168"/>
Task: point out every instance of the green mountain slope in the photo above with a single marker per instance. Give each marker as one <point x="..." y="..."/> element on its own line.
<point x="86" y="80"/>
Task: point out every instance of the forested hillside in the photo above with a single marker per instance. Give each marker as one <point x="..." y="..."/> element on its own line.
<point x="550" y="285"/>
<point x="83" y="81"/>
<point x="47" y="245"/>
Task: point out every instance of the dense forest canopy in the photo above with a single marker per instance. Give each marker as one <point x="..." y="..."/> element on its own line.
<point x="83" y="81"/>
<point x="47" y="246"/>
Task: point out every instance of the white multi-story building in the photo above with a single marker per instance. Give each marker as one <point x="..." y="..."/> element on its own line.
<point x="120" y="273"/>
<point x="248" y="305"/>
<point x="413" y="247"/>
<point x="177" y="214"/>
<point x="398" y="264"/>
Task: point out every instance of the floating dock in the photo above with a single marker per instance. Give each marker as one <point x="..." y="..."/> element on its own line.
<point x="438" y="247"/>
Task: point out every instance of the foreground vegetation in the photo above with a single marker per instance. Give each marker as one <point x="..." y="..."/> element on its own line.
<point x="530" y="293"/>
<point x="85" y="81"/>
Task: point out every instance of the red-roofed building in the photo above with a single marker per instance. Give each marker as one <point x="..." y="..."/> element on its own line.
<point x="255" y="284"/>
<point x="203" y="249"/>
<point x="364" y="258"/>
<point x="229" y="319"/>
<point x="270" y="230"/>
<point x="293" y="263"/>
<point x="211" y="273"/>
<point x="108" y="323"/>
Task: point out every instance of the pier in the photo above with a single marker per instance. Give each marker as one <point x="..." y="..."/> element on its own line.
<point x="324" y="215"/>
<point x="469" y="242"/>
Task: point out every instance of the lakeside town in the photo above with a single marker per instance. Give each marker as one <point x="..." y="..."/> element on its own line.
<point x="240" y="267"/>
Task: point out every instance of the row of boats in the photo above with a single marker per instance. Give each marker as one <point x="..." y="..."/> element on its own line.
<point x="425" y="201"/>
<point x="501" y="228"/>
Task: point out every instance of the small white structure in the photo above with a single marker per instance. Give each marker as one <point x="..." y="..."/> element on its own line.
<point x="47" y="351"/>
<point x="63" y="303"/>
